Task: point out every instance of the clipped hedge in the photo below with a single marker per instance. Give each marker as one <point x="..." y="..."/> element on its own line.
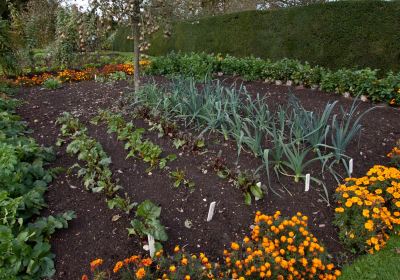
<point x="334" y="35"/>
<point x="343" y="81"/>
<point x="119" y="41"/>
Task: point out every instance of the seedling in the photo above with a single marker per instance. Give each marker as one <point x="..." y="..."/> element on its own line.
<point x="121" y="203"/>
<point x="179" y="178"/>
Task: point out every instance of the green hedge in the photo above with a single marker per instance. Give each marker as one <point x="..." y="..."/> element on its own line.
<point x="334" y="35"/>
<point x="120" y="42"/>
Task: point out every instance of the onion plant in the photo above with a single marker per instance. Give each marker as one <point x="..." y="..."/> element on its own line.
<point x="344" y="130"/>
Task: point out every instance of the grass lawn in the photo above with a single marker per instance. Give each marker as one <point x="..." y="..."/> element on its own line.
<point x="384" y="265"/>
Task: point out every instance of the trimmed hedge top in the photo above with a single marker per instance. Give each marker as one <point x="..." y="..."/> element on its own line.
<point x="334" y="35"/>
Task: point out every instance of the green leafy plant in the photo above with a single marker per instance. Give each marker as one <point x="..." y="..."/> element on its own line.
<point x="178" y="143"/>
<point x="147" y="222"/>
<point x="24" y="242"/>
<point x="122" y="203"/>
<point x="8" y="59"/>
<point x="96" y="173"/>
<point x="180" y="179"/>
<point x="355" y="82"/>
<point x="346" y="129"/>
<point x="137" y="146"/>
<point x="52" y="83"/>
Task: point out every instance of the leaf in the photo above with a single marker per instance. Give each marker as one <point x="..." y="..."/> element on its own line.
<point x="148" y="210"/>
<point x="157" y="230"/>
<point x="256" y="191"/>
<point x="105" y="161"/>
<point x="115" y="218"/>
<point x="247" y="198"/>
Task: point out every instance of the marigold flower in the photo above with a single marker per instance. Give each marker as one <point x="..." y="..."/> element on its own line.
<point x="235" y="246"/>
<point x="339" y="210"/>
<point x="140" y="273"/>
<point x="95" y="263"/>
<point x="85" y="277"/>
<point x="118" y="266"/>
<point x="147" y="262"/>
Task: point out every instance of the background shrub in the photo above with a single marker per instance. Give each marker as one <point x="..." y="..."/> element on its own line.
<point x="334" y="35"/>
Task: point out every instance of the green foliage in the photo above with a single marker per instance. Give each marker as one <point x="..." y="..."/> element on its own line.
<point x="119" y="41"/>
<point x="180" y="179"/>
<point x="137" y="146"/>
<point x="96" y="173"/>
<point x="24" y="239"/>
<point x="147" y="222"/>
<point x="66" y="43"/>
<point x="353" y="82"/>
<point x="294" y="137"/>
<point x="351" y="34"/>
<point x="122" y="203"/>
<point x="383" y="265"/>
<point x="8" y="59"/>
<point x="52" y="83"/>
<point x="112" y="78"/>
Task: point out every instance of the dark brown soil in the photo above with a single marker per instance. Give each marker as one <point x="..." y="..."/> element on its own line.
<point x="93" y="234"/>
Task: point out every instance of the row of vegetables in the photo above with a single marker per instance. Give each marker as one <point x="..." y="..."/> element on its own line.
<point x="367" y="214"/>
<point x="374" y="85"/>
<point x="370" y="83"/>
<point x="24" y="178"/>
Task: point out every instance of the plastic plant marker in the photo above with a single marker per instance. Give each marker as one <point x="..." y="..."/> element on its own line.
<point x="152" y="246"/>
<point x="308" y="179"/>
<point x="211" y="211"/>
<point x="351" y="162"/>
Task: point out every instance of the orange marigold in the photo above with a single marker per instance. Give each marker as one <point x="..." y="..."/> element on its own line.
<point x="95" y="263"/>
<point x="118" y="266"/>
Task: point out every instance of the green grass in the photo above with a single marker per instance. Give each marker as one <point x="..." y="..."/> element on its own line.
<point x="334" y="35"/>
<point x="384" y="265"/>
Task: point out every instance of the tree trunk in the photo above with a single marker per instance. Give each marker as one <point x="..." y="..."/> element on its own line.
<point x="136" y="57"/>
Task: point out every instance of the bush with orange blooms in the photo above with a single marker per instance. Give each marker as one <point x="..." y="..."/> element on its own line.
<point x="278" y="248"/>
<point x="86" y="74"/>
<point x="368" y="209"/>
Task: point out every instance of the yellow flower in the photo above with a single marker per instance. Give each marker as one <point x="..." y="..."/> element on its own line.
<point x="339" y="210"/>
<point x="348" y="203"/>
<point x="369" y="225"/>
<point x="172" y="268"/>
<point x="235" y="246"/>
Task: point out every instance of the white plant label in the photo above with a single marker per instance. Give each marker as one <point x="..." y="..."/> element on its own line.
<point x="308" y="179"/>
<point x="152" y="247"/>
<point x="211" y="211"/>
<point x="351" y="162"/>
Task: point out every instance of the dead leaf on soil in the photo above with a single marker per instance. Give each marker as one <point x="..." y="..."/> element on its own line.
<point x="115" y="218"/>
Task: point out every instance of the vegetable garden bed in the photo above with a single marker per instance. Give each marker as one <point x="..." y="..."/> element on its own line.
<point x="99" y="232"/>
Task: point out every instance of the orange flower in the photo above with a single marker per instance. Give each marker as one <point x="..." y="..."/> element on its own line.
<point x="235" y="246"/>
<point x="85" y="277"/>
<point x="140" y="273"/>
<point x="147" y="262"/>
<point x="96" y="263"/>
<point x="118" y="266"/>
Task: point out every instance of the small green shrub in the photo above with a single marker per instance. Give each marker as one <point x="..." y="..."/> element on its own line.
<point x="52" y="83"/>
